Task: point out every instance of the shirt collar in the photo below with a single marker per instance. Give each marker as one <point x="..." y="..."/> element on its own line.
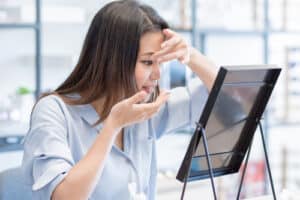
<point x="87" y="112"/>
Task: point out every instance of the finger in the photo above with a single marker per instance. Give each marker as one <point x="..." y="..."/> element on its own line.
<point x="168" y="45"/>
<point x="164" y="91"/>
<point x="154" y="106"/>
<point x="184" y="60"/>
<point x="144" y="116"/>
<point x="157" y="105"/>
<point x="175" y="40"/>
<point x="150" y="112"/>
<point x="168" y="32"/>
<point x="171" y="56"/>
<point x="161" y="52"/>
<point x="162" y="98"/>
<point x="138" y="97"/>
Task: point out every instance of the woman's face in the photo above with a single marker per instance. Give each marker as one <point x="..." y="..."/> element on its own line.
<point x="147" y="70"/>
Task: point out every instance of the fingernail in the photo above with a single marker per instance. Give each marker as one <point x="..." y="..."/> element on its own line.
<point x="163" y="45"/>
<point x="167" y="92"/>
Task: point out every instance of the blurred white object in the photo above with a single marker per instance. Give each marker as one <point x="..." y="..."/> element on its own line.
<point x="10" y="160"/>
<point x="132" y="187"/>
<point x="3" y="16"/>
<point x="5" y="106"/>
<point x="289" y="195"/>
<point x="27" y="104"/>
<point x="284" y="195"/>
<point x="56" y="14"/>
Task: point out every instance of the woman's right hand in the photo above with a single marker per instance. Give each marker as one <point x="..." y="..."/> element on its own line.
<point x="130" y="111"/>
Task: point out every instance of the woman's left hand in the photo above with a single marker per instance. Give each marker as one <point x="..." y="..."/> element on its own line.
<point x="174" y="47"/>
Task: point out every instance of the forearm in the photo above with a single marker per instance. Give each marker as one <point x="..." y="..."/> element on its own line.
<point x="83" y="177"/>
<point x="203" y="68"/>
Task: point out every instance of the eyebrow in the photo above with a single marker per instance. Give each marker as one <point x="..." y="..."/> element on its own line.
<point x="147" y="54"/>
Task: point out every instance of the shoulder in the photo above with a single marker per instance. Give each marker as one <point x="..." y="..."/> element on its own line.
<point x="50" y="100"/>
<point x="51" y="106"/>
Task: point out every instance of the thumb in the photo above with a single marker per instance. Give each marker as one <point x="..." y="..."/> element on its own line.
<point x="138" y="97"/>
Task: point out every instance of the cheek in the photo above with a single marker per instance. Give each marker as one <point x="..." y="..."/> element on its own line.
<point x="141" y="75"/>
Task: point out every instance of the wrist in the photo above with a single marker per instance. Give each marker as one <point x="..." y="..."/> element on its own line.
<point x="112" y="124"/>
<point x="195" y="58"/>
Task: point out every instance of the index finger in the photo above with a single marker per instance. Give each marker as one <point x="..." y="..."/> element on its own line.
<point x="161" y="52"/>
<point x="169" y="46"/>
<point x="173" y="41"/>
<point x="150" y="107"/>
<point x="161" y="99"/>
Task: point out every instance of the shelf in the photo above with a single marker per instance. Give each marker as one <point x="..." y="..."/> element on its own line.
<point x="205" y="31"/>
<point x="244" y="32"/>
<point x="48" y="61"/>
<point x="289" y="32"/>
<point x="6" y="146"/>
<point x="19" y="26"/>
<point x="12" y="132"/>
<point x="11" y="135"/>
<point x="230" y="32"/>
<point x="182" y="30"/>
<point x="13" y="128"/>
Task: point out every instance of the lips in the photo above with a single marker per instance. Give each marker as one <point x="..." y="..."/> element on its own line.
<point x="148" y="89"/>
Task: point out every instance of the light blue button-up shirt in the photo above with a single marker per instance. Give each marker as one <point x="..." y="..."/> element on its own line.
<point x="61" y="134"/>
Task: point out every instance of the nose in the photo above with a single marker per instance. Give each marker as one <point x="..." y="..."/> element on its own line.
<point x="155" y="75"/>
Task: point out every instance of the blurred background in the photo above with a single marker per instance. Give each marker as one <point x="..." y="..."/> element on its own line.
<point x="40" y="41"/>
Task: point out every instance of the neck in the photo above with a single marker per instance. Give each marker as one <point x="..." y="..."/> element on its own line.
<point x="96" y="104"/>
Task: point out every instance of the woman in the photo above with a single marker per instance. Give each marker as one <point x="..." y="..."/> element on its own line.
<point x="94" y="137"/>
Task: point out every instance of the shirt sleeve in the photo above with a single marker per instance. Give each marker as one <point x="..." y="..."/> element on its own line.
<point x="182" y="109"/>
<point x="47" y="156"/>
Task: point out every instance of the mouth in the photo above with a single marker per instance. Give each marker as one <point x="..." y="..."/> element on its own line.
<point x="148" y="89"/>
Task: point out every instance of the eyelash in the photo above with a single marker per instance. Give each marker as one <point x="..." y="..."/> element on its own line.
<point x="147" y="62"/>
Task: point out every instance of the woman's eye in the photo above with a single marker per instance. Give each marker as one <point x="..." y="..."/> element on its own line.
<point x="147" y="62"/>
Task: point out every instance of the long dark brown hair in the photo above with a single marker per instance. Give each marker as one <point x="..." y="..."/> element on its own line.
<point x="106" y="66"/>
